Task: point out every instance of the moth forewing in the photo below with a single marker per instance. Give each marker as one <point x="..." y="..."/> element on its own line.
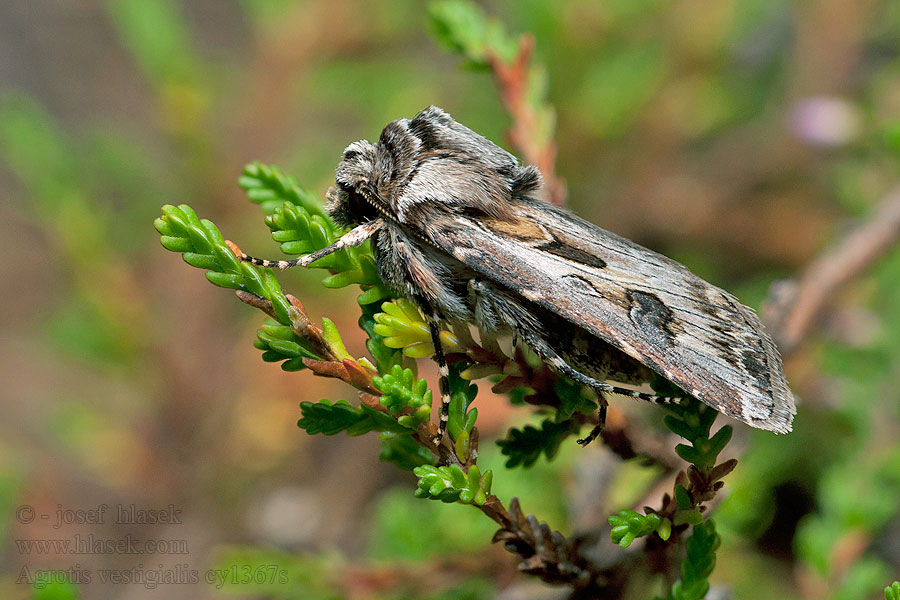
<point x="642" y="303"/>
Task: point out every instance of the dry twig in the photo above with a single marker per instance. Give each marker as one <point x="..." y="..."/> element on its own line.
<point x="795" y="305"/>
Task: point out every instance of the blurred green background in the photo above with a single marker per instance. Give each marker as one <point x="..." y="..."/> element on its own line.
<point x="737" y="136"/>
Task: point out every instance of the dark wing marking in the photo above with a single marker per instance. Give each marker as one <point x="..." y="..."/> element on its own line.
<point x="646" y="305"/>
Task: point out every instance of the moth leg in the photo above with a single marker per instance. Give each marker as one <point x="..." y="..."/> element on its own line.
<point x="443" y="381"/>
<point x="601" y="422"/>
<point x="354" y="237"/>
<point x="549" y="355"/>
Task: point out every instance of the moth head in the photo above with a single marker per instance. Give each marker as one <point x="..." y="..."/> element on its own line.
<point x="354" y="198"/>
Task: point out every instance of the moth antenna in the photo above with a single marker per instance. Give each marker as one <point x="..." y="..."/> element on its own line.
<point x="443" y="369"/>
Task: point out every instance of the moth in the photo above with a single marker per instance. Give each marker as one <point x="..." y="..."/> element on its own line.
<point x="460" y="227"/>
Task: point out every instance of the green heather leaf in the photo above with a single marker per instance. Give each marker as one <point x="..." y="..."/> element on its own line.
<point x="226" y="280"/>
<point x="385" y="358"/>
<point x="524" y="446"/>
<point x="298" y="222"/>
<point x="572" y="400"/>
<point x="451" y="484"/>
<point x="201" y="261"/>
<point x="401" y="390"/>
<point x="628" y="525"/>
<point x="682" y="497"/>
<point x="267" y="183"/>
<point x="678" y="427"/>
<point x="331" y="419"/>
<point x="333" y="338"/>
<point x="202" y="245"/>
<point x="462" y="394"/>
<point x="461" y="27"/>
<point x="402" y="450"/>
<point x="278" y="342"/>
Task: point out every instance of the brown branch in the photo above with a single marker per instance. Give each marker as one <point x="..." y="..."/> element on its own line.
<point x="525" y="135"/>
<point x="348" y="371"/>
<point x="795" y="305"/>
<point x="701" y="486"/>
<point x="544" y="553"/>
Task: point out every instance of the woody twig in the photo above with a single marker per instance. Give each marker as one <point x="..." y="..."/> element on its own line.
<point x="331" y="365"/>
<point x="795" y="305"/>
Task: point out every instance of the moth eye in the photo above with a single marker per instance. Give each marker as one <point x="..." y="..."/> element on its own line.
<point x="355" y="208"/>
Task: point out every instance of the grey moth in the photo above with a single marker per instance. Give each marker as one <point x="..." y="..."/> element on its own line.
<point x="460" y="227"/>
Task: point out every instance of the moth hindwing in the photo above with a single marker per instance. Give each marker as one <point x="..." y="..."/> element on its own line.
<point x="461" y="228"/>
